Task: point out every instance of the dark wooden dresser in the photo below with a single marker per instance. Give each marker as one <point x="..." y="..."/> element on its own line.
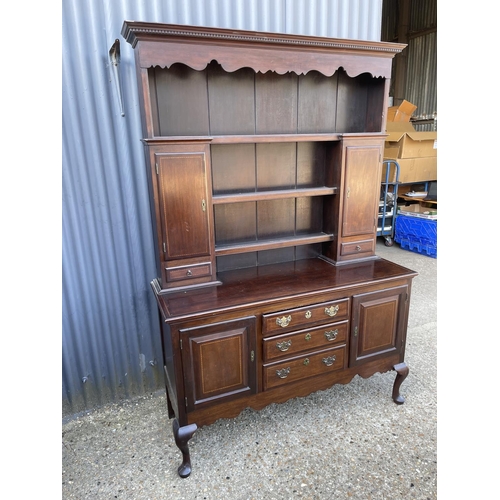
<point x="264" y="153"/>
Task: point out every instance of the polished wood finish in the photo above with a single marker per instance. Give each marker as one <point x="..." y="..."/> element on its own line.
<point x="305" y="316"/>
<point x="182" y="435"/>
<point x="257" y="308"/>
<point x="207" y="379"/>
<point x="359" y="204"/>
<point x="304" y="340"/>
<point x="305" y="366"/>
<point x="378" y="323"/>
<point x="402" y="371"/>
<point x="264" y="159"/>
<point x="182" y="199"/>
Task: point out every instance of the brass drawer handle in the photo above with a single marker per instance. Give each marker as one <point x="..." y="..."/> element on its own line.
<point x="308" y="336"/>
<point x="358" y="248"/>
<point x="329" y="360"/>
<point x="331" y="335"/>
<point x="283" y="373"/>
<point x="189" y="272"/>
<point x="306" y="361"/>
<point x="284" y="321"/>
<point x="284" y="346"/>
<point x="332" y="310"/>
<point x="308" y="314"/>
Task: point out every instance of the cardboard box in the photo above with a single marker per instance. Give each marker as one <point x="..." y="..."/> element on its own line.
<point x="417" y="210"/>
<point x="401" y="113"/>
<point x="408" y="142"/>
<point x="391" y="152"/>
<point x="412" y="170"/>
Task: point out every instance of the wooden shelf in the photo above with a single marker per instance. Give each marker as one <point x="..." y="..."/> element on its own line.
<point x="259" y="138"/>
<point x="247" y="139"/>
<point x="421" y="201"/>
<point x="286" y="241"/>
<point x="273" y="195"/>
<point x="262" y="138"/>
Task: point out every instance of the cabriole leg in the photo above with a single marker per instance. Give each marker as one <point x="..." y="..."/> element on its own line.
<point x="402" y="372"/>
<point x="182" y="435"/>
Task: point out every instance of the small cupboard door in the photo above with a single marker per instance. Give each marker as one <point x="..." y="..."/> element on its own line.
<point x="362" y="190"/>
<point x="185" y="201"/>
<point x="219" y="361"/>
<point x="378" y="324"/>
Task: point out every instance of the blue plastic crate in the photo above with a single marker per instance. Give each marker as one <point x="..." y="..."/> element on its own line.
<point x="416" y="234"/>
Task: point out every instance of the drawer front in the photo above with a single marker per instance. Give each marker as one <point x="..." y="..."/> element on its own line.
<point x="356" y="247"/>
<point x="305" y="317"/>
<point x="302" y="367"/>
<point x="292" y="344"/>
<point x="189" y="272"/>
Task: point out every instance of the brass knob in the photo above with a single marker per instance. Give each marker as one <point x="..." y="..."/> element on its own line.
<point x="358" y="248"/>
<point x="306" y="361"/>
<point x="189" y="272"/>
<point x="308" y="336"/>
<point x="308" y="314"/>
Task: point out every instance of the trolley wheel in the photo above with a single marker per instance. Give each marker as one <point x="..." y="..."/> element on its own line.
<point x="388" y="241"/>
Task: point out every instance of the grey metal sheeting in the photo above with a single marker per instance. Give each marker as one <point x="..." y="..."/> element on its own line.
<point x="110" y="344"/>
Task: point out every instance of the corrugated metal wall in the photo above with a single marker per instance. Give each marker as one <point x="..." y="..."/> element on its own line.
<point x="421" y="77"/>
<point x="110" y="343"/>
<point x="421" y="53"/>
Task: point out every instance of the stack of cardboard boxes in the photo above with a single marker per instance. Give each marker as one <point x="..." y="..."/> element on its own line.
<point x="415" y="152"/>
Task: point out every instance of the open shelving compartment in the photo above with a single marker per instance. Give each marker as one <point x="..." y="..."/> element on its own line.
<point x="271" y="201"/>
<point x="275" y="151"/>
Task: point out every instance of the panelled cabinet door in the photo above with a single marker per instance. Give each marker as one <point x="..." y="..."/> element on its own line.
<point x="362" y="190"/>
<point x="219" y="362"/>
<point x="378" y="324"/>
<point x="184" y="203"/>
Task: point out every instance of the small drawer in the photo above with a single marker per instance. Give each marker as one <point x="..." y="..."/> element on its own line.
<point x="189" y="272"/>
<point x="304" y="317"/>
<point x="292" y="344"/>
<point x="302" y="367"/>
<point x="355" y="247"/>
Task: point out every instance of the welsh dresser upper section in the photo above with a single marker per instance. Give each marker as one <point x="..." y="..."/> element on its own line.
<point x="312" y="74"/>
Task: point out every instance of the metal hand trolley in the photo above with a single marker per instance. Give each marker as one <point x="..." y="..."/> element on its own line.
<point x="388" y="202"/>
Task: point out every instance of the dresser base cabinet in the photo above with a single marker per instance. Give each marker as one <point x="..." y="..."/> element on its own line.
<point x="269" y="334"/>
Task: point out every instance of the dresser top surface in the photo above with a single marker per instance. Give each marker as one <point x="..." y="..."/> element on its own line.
<point x="270" y="284"/>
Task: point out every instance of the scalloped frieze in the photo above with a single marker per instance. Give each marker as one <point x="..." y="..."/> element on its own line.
<point x="262" y="59"/>
<point x="263" y="68"/>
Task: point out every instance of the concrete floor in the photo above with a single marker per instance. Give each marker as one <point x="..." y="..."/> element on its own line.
<point x="349" y="441"/>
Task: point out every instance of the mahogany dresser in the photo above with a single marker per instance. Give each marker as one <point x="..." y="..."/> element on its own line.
<point x="264" y="154"/>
